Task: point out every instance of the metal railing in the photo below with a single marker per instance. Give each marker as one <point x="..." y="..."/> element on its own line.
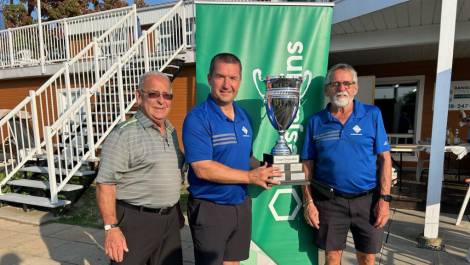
<point x="107" y="102"/>
<point x="62" y="39"/>
<point x="20" y="140"/>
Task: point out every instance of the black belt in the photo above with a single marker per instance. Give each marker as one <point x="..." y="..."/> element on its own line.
<point x="353" y="195"/>
<point x="330" y="193"/>
<point x="161" y="211"/>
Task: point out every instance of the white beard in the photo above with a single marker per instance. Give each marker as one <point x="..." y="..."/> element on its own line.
<point x="340" y="102"/>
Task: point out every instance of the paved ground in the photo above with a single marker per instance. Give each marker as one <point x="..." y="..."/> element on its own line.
<point x="23" y="241"/>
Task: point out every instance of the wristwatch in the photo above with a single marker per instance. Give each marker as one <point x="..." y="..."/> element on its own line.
<point x="387" y="198"/>
<point x="109" y="227"/>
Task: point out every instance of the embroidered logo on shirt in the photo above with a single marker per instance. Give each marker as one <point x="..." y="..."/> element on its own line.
<point x="245" y="131"/>
<point x="386" y="142"/>
<point x="357" y="130"/>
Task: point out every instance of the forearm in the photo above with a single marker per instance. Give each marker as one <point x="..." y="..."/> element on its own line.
<point x="307" y="166"/>
<point x="216" y="172"/>
<point x="385" y="172"/>
<point x="106" y="199"/>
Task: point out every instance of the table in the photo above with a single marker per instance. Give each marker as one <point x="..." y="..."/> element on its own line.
<point x="400" y="149"/>
<point x="460" y="151"/>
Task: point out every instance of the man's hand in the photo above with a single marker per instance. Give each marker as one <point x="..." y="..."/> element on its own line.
<point x="264" y="176"/>
<point x="311" y="215"/>
<point x="115" y="244"/>
<point x="382" y="211"/>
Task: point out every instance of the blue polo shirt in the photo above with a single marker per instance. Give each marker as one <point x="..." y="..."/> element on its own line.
<point x="209" y="135"/>
<point x="345" y="156"/>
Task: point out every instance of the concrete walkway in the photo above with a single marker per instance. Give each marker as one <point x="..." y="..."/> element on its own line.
<point x="23" y="241"/>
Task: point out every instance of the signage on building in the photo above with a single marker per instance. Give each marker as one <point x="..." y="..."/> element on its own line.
<point x="459" y="97"/>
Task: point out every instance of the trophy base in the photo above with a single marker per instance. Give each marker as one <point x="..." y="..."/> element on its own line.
<point x="290" y="167"/>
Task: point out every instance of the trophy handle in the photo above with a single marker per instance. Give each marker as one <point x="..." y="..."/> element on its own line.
<point x="256" y="78"/>
<point x="307" y="76"/>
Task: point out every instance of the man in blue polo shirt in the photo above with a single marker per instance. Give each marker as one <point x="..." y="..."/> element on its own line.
<point x="217" y="138"/>
<point x="342" y="144"/>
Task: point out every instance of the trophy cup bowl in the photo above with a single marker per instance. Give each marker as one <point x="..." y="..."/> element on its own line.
<point x="282" y="102"/>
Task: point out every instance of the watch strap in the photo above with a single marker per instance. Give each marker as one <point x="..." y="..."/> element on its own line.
<point x="387" y="197"/>
<point x="109" y="226"/>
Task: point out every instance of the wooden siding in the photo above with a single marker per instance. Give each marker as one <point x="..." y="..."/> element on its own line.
<point x="184" y="89"/>
<point x="13" y="91"/>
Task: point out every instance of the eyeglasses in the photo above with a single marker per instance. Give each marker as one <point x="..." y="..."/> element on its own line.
<point x="157" y="94"/>
<point x="344" y="83"/>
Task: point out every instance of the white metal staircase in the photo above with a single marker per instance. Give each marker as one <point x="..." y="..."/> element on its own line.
<point x="53" y="134"/>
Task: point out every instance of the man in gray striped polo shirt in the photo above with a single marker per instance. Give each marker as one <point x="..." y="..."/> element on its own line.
<point x="139" y="181"/>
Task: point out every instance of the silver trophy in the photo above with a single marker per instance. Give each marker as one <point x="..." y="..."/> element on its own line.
<point x="282" y="101"/>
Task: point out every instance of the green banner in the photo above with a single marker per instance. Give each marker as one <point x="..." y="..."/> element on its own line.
<point x="270" y="39"/>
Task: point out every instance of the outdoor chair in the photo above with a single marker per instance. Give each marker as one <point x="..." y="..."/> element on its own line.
<point x="465" y="202"/>
<point x="24" y="57"/>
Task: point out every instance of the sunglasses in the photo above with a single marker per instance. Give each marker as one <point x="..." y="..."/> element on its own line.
<point x="344" y="83"/>
<point x="157" y="94"/>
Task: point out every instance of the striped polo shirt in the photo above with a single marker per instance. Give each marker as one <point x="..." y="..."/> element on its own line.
<point x="144" y="165"/>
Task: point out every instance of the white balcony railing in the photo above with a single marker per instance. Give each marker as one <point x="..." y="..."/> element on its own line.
<point x="62" y="39"/>
<point x="105" y="104"/>
<point x="21" y="140"/>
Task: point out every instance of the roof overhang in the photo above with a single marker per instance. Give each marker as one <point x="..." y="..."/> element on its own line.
<point x="404" y="32"/>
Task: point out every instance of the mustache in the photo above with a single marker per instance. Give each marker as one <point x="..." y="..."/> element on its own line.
<point x="341" y="94"/>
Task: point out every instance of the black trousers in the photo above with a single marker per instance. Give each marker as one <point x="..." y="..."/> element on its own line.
<point x="152" y="238"/>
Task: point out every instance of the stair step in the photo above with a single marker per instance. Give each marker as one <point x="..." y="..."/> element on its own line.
<point x="32" y="200"/>
<point x="62" y="158"/>
<point x="104" y="113"/>
<point x="173" y="66"/>
<point x="41" y="184"/>
<point x="84" y="133"/>
<point x="56" y="157"/>
<point x="73" y="145"/>
<point x="44" y="170"/>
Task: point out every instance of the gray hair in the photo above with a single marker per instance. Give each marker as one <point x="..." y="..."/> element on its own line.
<point x="341" y="66"/>
<point x="144" y="77"/>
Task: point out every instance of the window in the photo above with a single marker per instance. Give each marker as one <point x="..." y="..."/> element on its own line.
<point x="397" y="101"/>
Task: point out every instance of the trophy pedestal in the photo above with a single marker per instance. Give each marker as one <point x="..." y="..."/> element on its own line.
<point x="290" y="167"/>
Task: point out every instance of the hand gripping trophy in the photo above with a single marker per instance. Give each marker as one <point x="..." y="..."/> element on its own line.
<point x="282" y="101"/>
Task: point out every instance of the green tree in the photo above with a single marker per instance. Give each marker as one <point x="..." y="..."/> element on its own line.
<point x="16" y="15"/>
<point x="52" y="10"/>
<point x="140" y="3"/>
<point x="109" y="4"/>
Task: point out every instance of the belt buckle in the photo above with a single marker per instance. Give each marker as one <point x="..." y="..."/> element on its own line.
<point x="163" y="211"/>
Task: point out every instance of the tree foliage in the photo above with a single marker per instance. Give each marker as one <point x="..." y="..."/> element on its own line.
<point x="109" y="4"/>
<point x="18" y="13"/>
<point x="140" y="3"/>
<point x="51" y="10"/>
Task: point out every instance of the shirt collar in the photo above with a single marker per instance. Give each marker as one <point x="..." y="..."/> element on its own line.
<point x="147" y="123"/>
<point x="358" y="111"/>
<point x="216" y="109"/>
